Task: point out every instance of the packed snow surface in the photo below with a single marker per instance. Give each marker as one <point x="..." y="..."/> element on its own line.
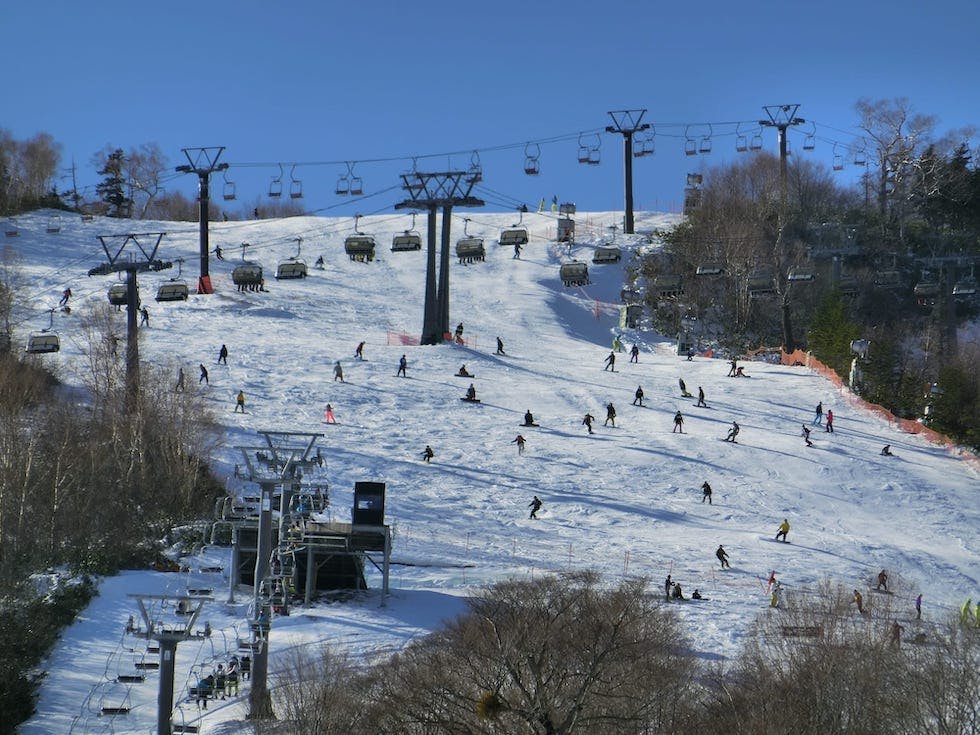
<point x="624" y="501"/>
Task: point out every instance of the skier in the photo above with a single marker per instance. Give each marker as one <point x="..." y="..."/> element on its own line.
<point x="180" y="381"/>
<point x="517" y="250"/>
<point x="611" y="362"/>
<point x="634" y="353"/>
<point x="638" y="396"/>
<point x="783" y="530"/>
<point x="806" y="436"/>
<point x="500" y="347"/>
<point x="427" y="453"/>
<point x="240" y="401"/>
<point x="402" y="364"/>
<point x="359" y="351"/>
<point x="519" y="441"/>
<point x="882" y="581"/>
<point x="817" y="415"/>
<point x="471" y="393"/>
<point x="223" y="355"/>
<point x="886" y="451"/>
<point x="859" y="601"/>
<point x="610" y="415"/>
<point x="830" y="422"/>
<point x="328" y="417"/>
<point x="459" y="333"/>
<point x="734" y="368"/>
<point x="65" y="295"/>
<point x="684" y="393"/>
<point x="144" y="317"/>
<point x="733" y="432"/>
<point x="338" y="372"/>
<point x="678" y="423"/>
<point x="701" y="398"/>
<point x="204" y="375"/>
<point x="535" y="506"/>
<point x="706" y="492"/>
<point x="529" y="418"/>
<point x="723" y="557"/>
<point x="587" y="422"/>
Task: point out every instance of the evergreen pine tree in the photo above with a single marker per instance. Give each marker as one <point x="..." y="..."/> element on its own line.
<point x="112" y="188"/>
<point x="831" y="333"/>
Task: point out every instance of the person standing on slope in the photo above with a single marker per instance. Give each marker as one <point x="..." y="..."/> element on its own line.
<point x="678" y="423"/>
<point x="535" y="506"/>
<point x="706" y="492"/>
<point x="610" y="415"/>
<point x="733" y="432"/>
<point x="817" y="415"/>
<point x="635" y="353"/>
<point x="723" y="557"/>
<point x="830" y="422"/>
<point x="587" y="422"/>
<point x="427" y="454"/>
<point x="638" y="396"/>
<point x="519" y="441"/>
<point x="783" y="530"/>
<point x="359" y="351"/>
<point x="402" y="365"/>
<point x="338" y="372"/>
<point x="701" y="402"/>
<point x="610" y="362"/>
<point x="240" y="401"/>
<point x="223" y="355"/>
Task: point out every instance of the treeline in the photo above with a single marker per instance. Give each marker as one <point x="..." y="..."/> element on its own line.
<point x="87" y="488"/>
<point x="561" y="655"/>
<point x="801" y="261"/>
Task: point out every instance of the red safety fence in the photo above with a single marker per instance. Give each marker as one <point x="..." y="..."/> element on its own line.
<point x="401" y="338"/>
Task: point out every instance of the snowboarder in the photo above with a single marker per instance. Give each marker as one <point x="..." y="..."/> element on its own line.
<point x="706" y="492"/>
<point x="783" y="530"/>
<point x="223" y="355"/>
<point x="427" y="453"/>
<point x="338" y="372"/>
<point x="678" y="423"/>
<point x="65" y="295"/>
<point x="896" y="637"/>
<point x="217" y="253"/>
<point x="471" y="393"/>
<point x="677" y="593"/>
<point x="886" y="451"/>
<point x="535" y="506"/>
<point x="859" y="601"/>
<point x="587" y="422"/>
<point x="319" y="263"/>
<point x="328" y="417"/>
<point x="517" y="250"/>
<point x="610" y="415"/>
<point x="918" y="607"/>
<point x="634" y="353"/>
<point x="359" y="351"/>
<point x="638" y="396"/>
<point x="830" y="422"/>
<point x="500" y="347"/>
<point x="611" y="362"/>
<point x="882" y="581"/>
<point x="519" y="441"/>
<point x="733" y="368"/>
<point x="144" y="317"/>
<point x="463" y="372"/>
<point x="459" y="333"/>
<point x="741" y="374"/>
<point x="204" y="375"/>
<point x="701" y="398"/>
<point x="402" y="365"/>
<point x="684" y="393"/>
<point x="696" y="595"/>
<point x="180" y="381"/>
<point x="240" y="401"/>
<point x="529" y="419"/>
<point x="723" y="557"/>
<point x="617" y="345"/>
<point x="668" y="584"/>
<point x="733" y="432"/>
<point x="817" y="415"/>
<point x="806" y="436"/>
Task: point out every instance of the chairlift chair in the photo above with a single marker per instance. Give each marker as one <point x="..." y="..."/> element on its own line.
<point x="710" y="269"/>
<point x="574" y="273"/>
<point x="45" y="341"/>
<point x="965" y="288"/>
<point x="669" y="286"/>
<point x="295" y="186"/>
<point x="888" y="279"/>
<point x="360" y="248"/>
<point x="228" y="192"/>
<point x="275" y="186"/>
<point x="860" y="158"/>
<point x="291" y="268"/>
<point x="801" y="275"/>
<point x="583" y="151"/>
<point x="810" y="141"/>
<point x="470" y="249"/>
<point x="247" y="274"/>
<point x="118" y="294"/>
<point x="406" y="241"/>
<point x="356" y="186"/>
<point x="173" y="290"/>
<point x="838" y="164"/>
<point x="755" y="144"/>
<point x="515" y="236"/>
<point x="605" y="254"/>
<point x="761" y="285"/>
<point x="532" y="152"/>
<point x="705" y="145"/>
<point x="741" y="140"/>
<point x="54" y="225"/>
<point x="343" y="185"/>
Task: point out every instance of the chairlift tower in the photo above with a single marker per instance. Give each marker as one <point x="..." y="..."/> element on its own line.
<point x="626" y="123"/>
<point x="203" y="162"/>
<point x="432" y="191"/>
<point x="275" y="464"/>
<point x="168" y="635"/>
<point x="131" y="266"/>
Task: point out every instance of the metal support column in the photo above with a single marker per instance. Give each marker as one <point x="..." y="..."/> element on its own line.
<point x="627" y="122"/>
<point x="444" y="258"/>
<point x="430" y="319"/>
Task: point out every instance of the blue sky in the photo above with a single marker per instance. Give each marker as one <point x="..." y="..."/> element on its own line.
<point x="318" y="82"/>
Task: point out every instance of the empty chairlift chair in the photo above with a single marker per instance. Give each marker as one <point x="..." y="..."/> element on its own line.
<point x="45" y="341"/>
<point x="291" y="268"/>
<point x="711" y="269"/>
<point x="173" y="290"/>
<point x="801" y="275"/>
<point x="515" y="236"/>
<point x="118" y="294"/>
<point x="574" y="273"/>
<point x="606" y="254"/>
<point x="469" y="249"/>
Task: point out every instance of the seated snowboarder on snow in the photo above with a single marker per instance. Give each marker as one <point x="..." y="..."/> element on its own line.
<point x="677" y="593"/>
<point x="529" y="419"/>
<point x="740" y="374"/>
<point x="733" y="432"/>
<point x="696" y="595"/>
<point x="886" y="451"/>
<point x="463" y="373"/>
<point x="684" y="393"/>
<point x="471" y="393"/>
<point x="319" y="263"/>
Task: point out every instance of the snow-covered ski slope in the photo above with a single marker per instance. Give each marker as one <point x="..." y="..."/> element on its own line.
<point x="625" y="500"/>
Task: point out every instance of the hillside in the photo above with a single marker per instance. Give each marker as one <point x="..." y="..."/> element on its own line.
<point x="625" y="500"/>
